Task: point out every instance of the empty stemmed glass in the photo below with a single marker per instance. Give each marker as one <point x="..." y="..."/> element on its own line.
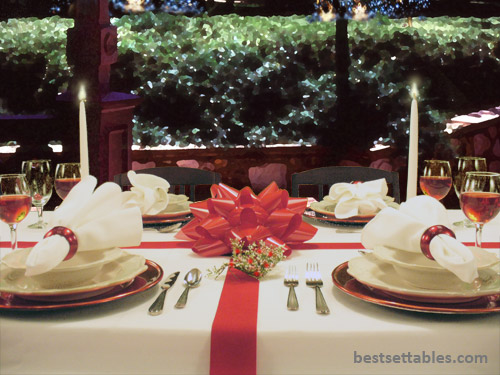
<point x="67" y="175"/>
<point x="15" y="202"/>
<point x="480" y="199"/>
<point x="466" y="164"/>
<point x="38" y="175"/>
<point x="436" y="178"/>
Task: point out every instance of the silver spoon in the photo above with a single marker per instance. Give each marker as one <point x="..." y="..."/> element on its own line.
<point x="191" y="280"/>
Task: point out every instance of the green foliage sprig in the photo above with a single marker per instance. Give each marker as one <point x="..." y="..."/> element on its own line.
<point x="256" y="260"/>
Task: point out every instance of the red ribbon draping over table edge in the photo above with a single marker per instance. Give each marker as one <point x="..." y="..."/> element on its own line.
<point x="272" y="217"/>
<point x="233" y="343"/>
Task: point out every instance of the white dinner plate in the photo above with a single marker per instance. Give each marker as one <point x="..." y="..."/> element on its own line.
<point x="375" y="273"/>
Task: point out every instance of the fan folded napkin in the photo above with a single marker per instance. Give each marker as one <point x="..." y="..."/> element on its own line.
<point x="402" y="229"/>
<point x="97" y="218"/>
<point x="148" y="192"/>
<point x="358" y="198"/>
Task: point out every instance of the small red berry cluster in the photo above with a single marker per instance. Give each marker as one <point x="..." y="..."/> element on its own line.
<point x="256" y="259"/>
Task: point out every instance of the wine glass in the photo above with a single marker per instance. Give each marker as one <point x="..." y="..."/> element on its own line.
<point x="436" y="178"/>
<point x="38" y="175"/>
<point x="15" y="202"/>
<point x="67" y="176"/>
<point x="480" y="199"/>
<point x="466" y="164"/>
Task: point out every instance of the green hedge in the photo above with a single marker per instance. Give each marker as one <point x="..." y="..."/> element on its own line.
<point x="229" y="80"/>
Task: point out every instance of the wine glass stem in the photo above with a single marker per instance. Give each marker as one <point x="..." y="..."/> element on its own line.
<point x="479" y="235"/>
<point x="39" y="210"/>
<point x="13" y="236"/>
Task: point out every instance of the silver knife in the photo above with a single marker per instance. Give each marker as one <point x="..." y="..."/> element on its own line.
<point x="157" y="307"/>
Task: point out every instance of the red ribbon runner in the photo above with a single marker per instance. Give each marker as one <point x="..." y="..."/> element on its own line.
<point x="162" y="245"/>
<point x="272" y="216"/>
<point x="233" y="346"/>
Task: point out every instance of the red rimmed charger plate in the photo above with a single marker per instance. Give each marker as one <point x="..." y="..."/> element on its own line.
<point x="331" y="219"/>
<point x="167" y="218"/>
<point x="144" y="281"/>
<point x="351" y="286"/>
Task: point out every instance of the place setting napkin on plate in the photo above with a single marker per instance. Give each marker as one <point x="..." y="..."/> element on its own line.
<point x="148" y="192"/>
<point x="347" y="200"/>
<point x="97" y="217"/>
<point x="402" y="229"/>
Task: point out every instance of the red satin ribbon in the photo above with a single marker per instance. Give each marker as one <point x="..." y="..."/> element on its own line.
<point x="233" y="344"/>
<point x="161" y="245"/>
<point x="272" y="217"/>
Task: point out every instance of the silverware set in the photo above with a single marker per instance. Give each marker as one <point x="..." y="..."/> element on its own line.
<point x="191" y="280"/>
<point x="313" y="280"/>
<point x="291" y="280"/>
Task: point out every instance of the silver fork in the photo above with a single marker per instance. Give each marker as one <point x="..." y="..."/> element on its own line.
<point x="291" y="281"/>
<point x="313" y="279"/>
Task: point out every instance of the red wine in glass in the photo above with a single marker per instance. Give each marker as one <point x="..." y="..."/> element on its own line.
<point x="15" y="202"/>
<point x="67" y="176"/>
<point x="14" y="208"/>
<point x="64" y="185"/>
<point x="480" y="207"/>
<point x="435" y="186"/>
<point x="435" y="180"/>
<point x="480" y="199"/>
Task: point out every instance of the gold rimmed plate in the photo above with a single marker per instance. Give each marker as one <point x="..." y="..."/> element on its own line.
<point x="478" y="305"/>
<point x="147" y="279"/>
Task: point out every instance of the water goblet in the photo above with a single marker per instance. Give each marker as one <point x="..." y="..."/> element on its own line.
<point x="67" y="175"/>
<point x="480" y="199"/>
<point x="436" y="178"/>
<point x="15" y="202"/>
<point x="466" y="164"/>
<point x="38" y="175"/>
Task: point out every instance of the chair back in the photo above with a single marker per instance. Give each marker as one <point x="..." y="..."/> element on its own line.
<point x="327" y="176"/>
<point x="179" y="178"/>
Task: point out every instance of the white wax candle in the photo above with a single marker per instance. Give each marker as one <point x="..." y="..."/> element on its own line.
<point x="411" y="189"/>
<point x="84" y="149"/>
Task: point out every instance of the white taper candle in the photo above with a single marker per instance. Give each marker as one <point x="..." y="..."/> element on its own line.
<point x="84" y="149"/>
<point x="411" y="189"/>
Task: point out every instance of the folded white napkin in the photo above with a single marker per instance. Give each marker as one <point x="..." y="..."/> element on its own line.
<point x="98" y="219"/>
<point x="148" y="192"/>
<point x="402" y="229"/>
<point x="358" y="199"/>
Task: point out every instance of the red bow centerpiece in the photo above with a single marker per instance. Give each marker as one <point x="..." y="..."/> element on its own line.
<point x="272" y="217"/>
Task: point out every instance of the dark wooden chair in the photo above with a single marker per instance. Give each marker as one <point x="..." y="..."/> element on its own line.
<point x="179" y="178"/>
<point x="327" y="176"/>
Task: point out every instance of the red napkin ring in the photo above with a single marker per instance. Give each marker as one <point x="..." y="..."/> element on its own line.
<point x="69" y="236"/>
<point x="429" y="234"/>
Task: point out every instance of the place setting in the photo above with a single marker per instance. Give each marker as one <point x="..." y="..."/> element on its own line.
<point x="161" y="210"/>
<point x="351" y="204"/>
<point x="414" y="262"/>
<point x="80" y="260"/>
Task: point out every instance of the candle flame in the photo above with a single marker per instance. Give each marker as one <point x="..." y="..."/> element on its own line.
<point x="414" y="91"/>
<point x="82" y="95"/>
<point x="359" y="12"/>
<point x="135" y="6"/>
<point x="326" y="12"/>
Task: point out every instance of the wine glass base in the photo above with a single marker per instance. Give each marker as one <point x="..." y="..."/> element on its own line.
<point x="38" y="225"/>
<point x="464" y="224"/>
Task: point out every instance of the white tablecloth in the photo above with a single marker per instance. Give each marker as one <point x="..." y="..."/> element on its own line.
<point x="121" y="338"/>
